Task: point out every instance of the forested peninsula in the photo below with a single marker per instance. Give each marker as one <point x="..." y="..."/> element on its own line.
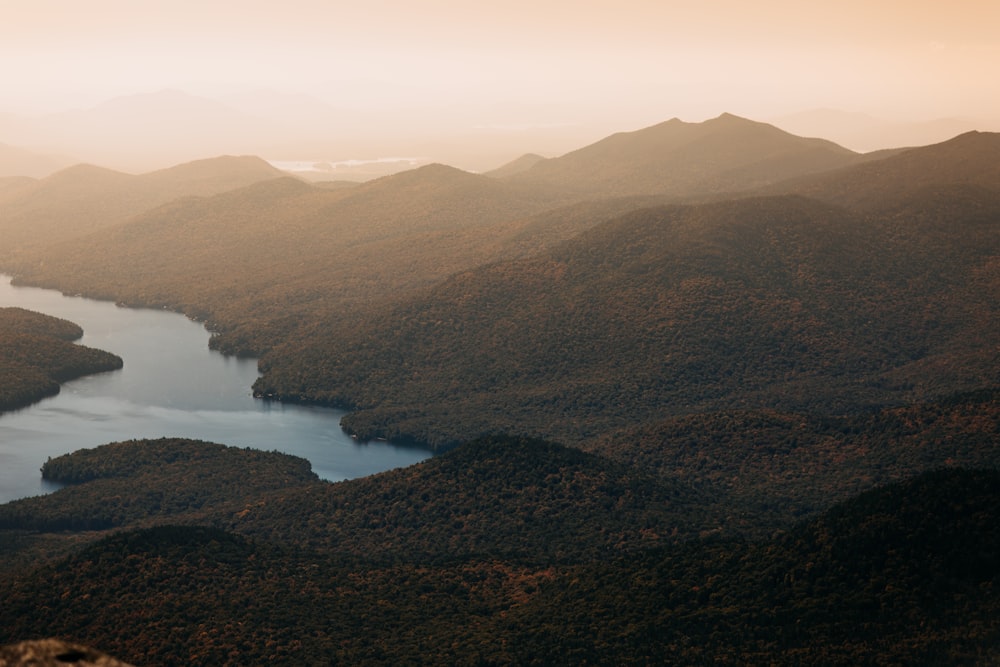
<point x="37" y="354"/>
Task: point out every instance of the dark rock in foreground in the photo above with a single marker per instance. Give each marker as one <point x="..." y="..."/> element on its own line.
<point x="52" y="652"/>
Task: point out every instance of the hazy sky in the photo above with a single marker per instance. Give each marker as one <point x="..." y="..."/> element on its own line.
<point x="689" y="59"/>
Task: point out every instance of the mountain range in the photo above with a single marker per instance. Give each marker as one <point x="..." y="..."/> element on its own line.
<point x="703" y="392"/>
<point x="153" y="130"/>
<point x="569" y="296"/>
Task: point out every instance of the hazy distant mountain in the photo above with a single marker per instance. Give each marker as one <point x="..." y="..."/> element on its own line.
<point x="970" y="159"/>
<point x="864" y="133"/>
<point x="724" y="154"/>
<point x="141" y="132"/>
<point x="208" y="176"/>
<point x="16" y="161"/>
<point x="169" y="126"/>
<point x="83" y="198"/>
<point x="138" y="133"/>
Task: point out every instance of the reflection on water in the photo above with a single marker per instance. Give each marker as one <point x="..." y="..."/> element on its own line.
<point x="172" y="385"/>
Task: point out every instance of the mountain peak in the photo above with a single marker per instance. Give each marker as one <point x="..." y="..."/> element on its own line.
<point x="725" y="116"/>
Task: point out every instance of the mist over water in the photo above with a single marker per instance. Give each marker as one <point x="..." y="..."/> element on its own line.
<point x="171" y="385"/>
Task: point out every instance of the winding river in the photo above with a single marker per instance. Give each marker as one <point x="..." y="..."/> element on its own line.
<point x="172" y="385"/>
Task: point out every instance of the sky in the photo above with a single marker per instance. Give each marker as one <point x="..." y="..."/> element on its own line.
<point x="613" y="63"/>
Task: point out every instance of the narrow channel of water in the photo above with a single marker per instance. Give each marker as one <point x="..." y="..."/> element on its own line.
<point x="172" y="385"/>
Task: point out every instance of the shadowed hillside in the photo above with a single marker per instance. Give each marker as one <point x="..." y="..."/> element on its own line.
<point x="750" y="303"/>
<point x="527" y="500"/>
<point x="904" y="573"/>
<point x="776" y="467"/>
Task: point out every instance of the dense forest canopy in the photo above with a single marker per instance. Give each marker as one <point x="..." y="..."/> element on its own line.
<point x="501" y="551"/>
<point x="773" y="302"/>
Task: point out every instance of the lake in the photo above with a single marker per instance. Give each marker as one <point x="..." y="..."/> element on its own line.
<point x="172" y="385"/>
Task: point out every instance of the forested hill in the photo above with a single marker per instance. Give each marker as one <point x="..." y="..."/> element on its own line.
<point x="765" y="302"/>
<point x="774" y="467"/>
<point x="905" y="574"/>
<point x="500" y="552"/>
<point x="37" y="353"/>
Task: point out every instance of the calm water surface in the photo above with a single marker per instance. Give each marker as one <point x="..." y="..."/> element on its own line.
<point x="171" y="385"/>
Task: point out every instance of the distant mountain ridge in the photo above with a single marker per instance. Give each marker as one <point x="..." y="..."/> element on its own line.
<point x="972" y="158"/>
<point x="140" y="132"/>
<point x="84" y="198"/>
<point x="865" y="133"/>
<point x="723" y="154"/>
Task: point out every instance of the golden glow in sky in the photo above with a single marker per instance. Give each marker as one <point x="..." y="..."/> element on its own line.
<point x="923" y="59"/>
<point x="605" y="64"/>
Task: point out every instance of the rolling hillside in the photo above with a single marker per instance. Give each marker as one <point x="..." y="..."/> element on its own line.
<point x="770" y="302"/>
<point x="900" y="573"/>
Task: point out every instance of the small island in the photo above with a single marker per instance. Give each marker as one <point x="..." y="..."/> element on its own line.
<point x="37" y="353"/>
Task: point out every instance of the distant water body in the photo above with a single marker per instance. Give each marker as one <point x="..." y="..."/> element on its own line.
<point x="172" y="385"/>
